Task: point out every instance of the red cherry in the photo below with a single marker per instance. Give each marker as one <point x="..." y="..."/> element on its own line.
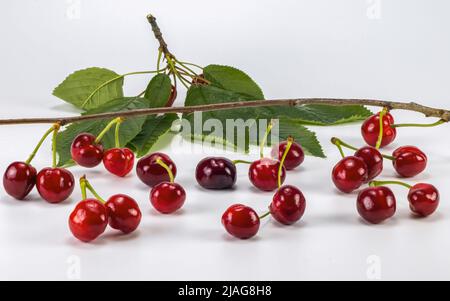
<point x="423" y="199"/>
<point x="119" y="161"/>
<point x="55" y="184"/>
<point x="172" y="96"/>
<point x="263" y="174"/>
<point x="167" y="197"/>
<point x="409" y="161"/>
<point x="19" y="179"/>
<point x="349" y="174"/>
<point x="216" y="173"/>
<point x="370" y="130"/>
<point x="88" y="220"/>
<point x="294" y="157"/>
<point x="288" y="205"/>
<point x="151" y="173"/>
<point x="241" y="221"/>
<point x="85" y="151"/>
<point x="376" y="204"/>
<point x="373" y="159"/>
<point x="124" y="213"/>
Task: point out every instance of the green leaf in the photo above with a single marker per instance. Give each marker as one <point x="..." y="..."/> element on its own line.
<point x="306" y="138"/>
<point x="78" y="86"/>
<point x="153" y="128"/>
<point x="158" y="91"/>
<point x="198" y="95"/>
<point x="128" y="129"/>
<point x="228" y="84"/>
<point x="232" y="79"/>
<point x="319" y="114"/>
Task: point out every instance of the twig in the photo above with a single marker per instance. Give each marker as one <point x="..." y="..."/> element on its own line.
<point x="158" y="35"/>
<point x="411" y="106"/>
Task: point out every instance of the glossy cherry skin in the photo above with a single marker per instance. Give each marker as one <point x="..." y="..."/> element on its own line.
<point x="88" y="220"/>
<point x="124" y="213"/>
<point x="172" y="96"/>
<point x="288" y="205"/>
<point x="294" y="157"/>
<point x="263" y="174"/>
<point x="370" y="130"/>
<point x="423" y="199"/>
<point x="55" y="184"/>
<point x="119" y="161"/>
<point x="151" y="173"/>
<point x="216" y="173"/>
<point x="19" y="179"/>
<point x="349" y="174"/>
<point x="376" y="204"/>
<point x="167" y="197"/>
<point x="85" y="151"/>
<point x="241" y="221"/>
<point x="373" y="159"/>
<point x="409" y="161"/>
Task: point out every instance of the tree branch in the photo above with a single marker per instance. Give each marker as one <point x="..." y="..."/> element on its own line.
<point x="392" y="105"/>
<point x="158" y="35"/>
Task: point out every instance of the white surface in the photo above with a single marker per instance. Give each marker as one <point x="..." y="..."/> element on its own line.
<point x="292" y="48"/>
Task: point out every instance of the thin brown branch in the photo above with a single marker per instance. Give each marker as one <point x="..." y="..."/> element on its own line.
<point x="158" y="35"/>
<point x="411" y="106"/>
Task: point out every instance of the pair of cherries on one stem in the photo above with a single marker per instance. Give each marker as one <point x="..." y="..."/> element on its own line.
<point x="158" y="171"/>
<point x="266" y="173"/>
<point x="367" y="163"/>
<point x="91" y="216"/>
<point x="287" y="207"/>
<point x="87" y="151"/>
<point x="53" y="184"/>
<point x="377" y="203"/>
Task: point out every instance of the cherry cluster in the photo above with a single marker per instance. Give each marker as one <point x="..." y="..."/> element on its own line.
<point x="91" y="216"/>
<point x="377" y="203"/>
<point x="267" y="174"/>
<point x="53" y="184"/>
<point x="87" y="151"/>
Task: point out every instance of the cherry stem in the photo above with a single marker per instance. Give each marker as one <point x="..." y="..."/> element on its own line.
<point x="84" y="183"/>
<point x="117" y="133"/>
<point x="189" y="64"/>
<point x="107" y="128"/>
<point x="171" y="62"/>
<point x="337" y="141"/>
<point x="38" y="146"/>
<point x="56" y="128"/>
<point x="241" y="161"/>
<point x="167" y="168"/>
<point x="339" y="145"/>
<point x="186" y="67"/>
<point x="158" y="62"/>
<point x="83" y="187"/>
<point x="264" y="215"/>
<point x="290" y="140"/>
<point x="380" y="135"/>
<point x="383" y="183"/>
<point x="426" y="125"/>
<point x="266" y="135"/>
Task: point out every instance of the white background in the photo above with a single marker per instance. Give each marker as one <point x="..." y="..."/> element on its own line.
<point x="302" y="48"/>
